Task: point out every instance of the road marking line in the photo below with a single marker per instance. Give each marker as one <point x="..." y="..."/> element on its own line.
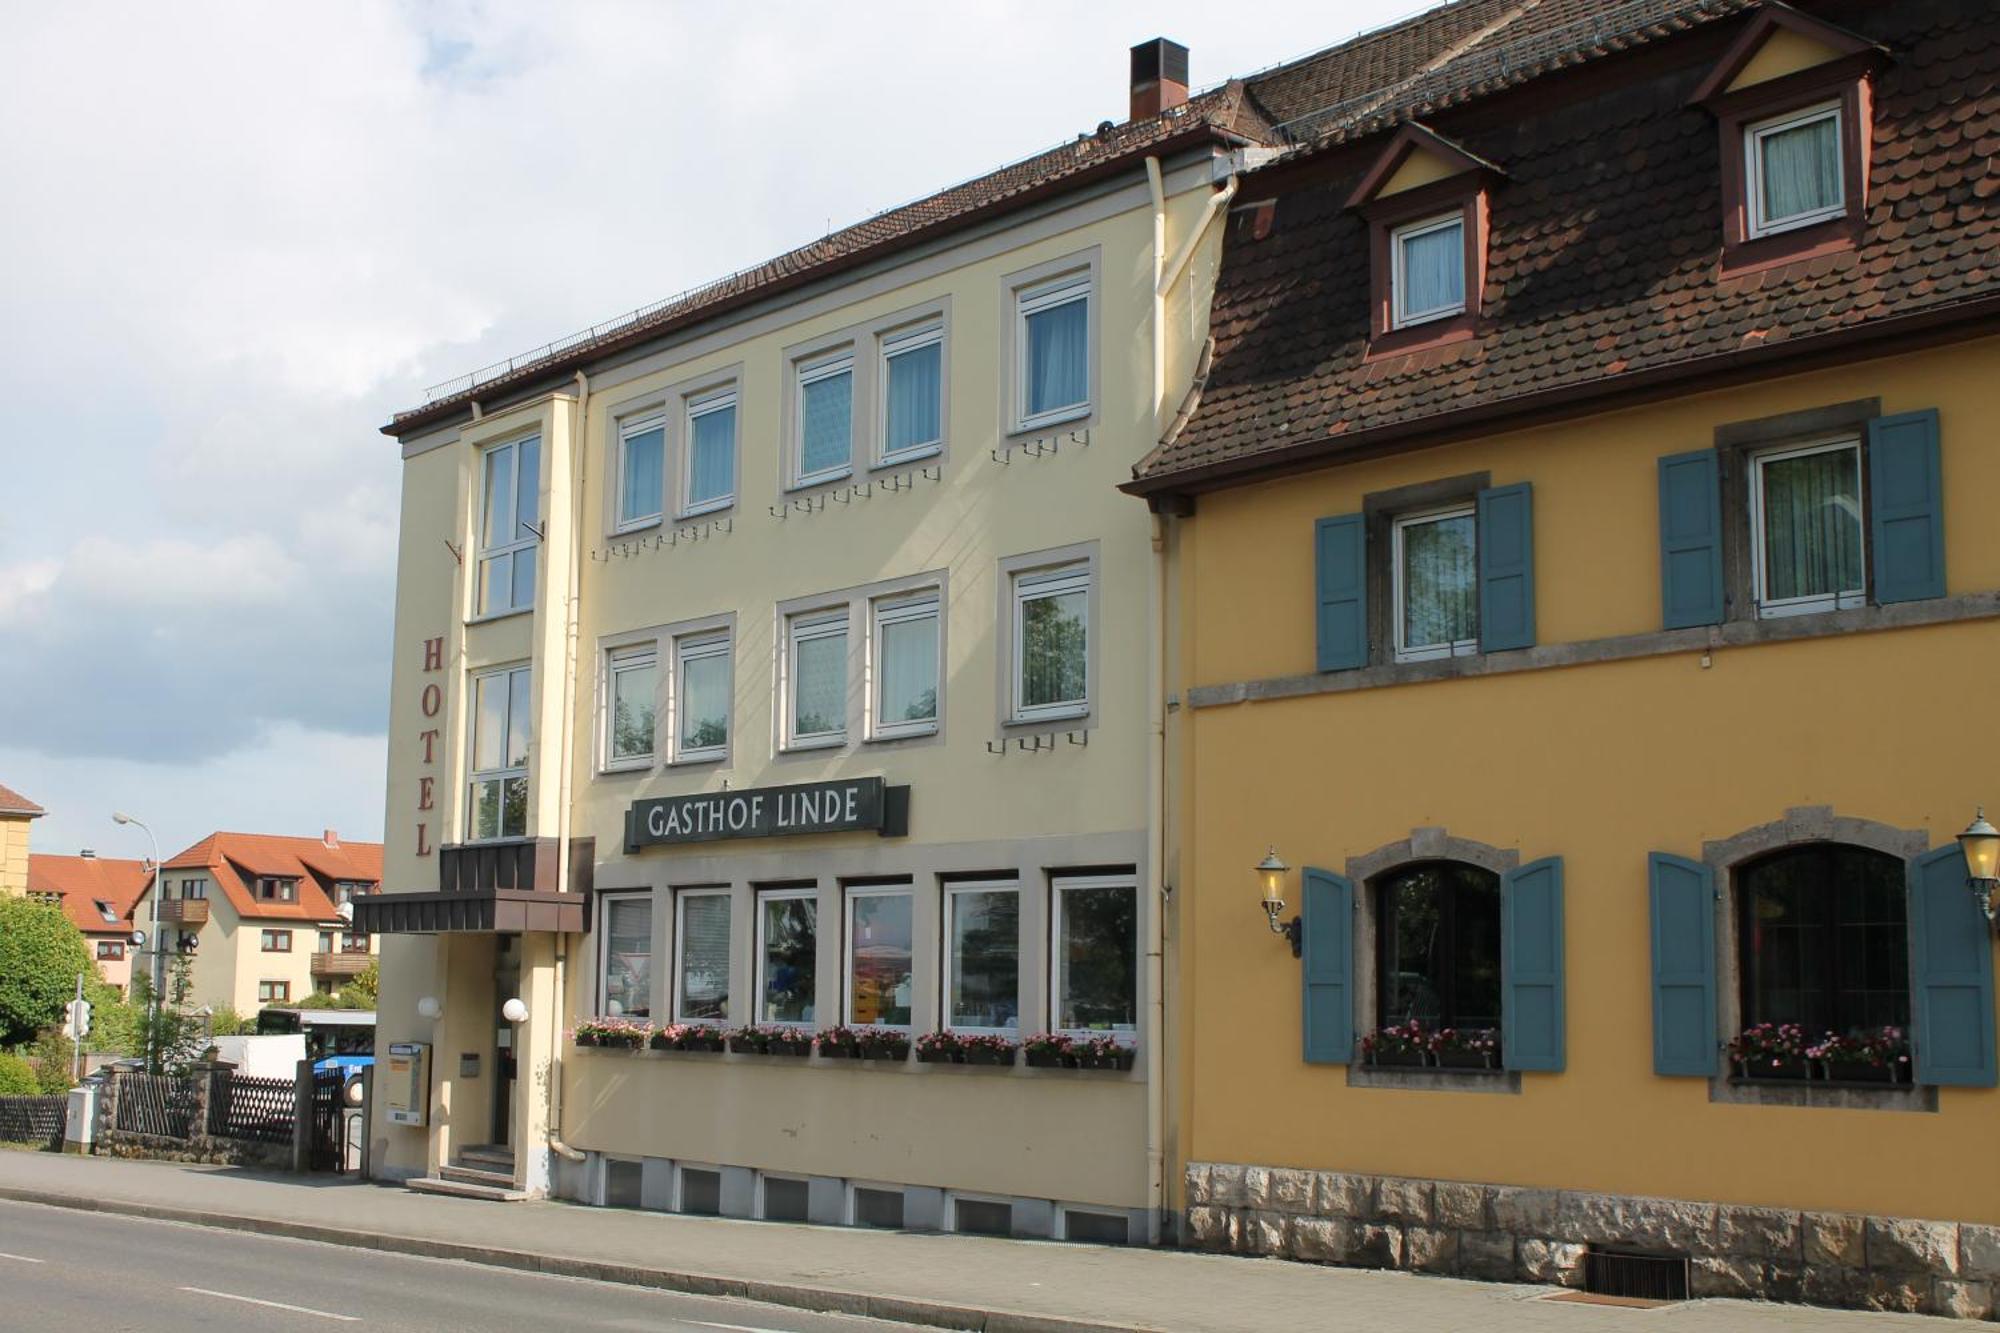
<point x="275" y="1305"/>
<point x="21" y="1258"/>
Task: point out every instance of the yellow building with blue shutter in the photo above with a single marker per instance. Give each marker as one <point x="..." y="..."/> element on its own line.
<point x="1584" y="601"/>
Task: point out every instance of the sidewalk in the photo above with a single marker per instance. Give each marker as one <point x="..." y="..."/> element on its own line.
<point x="947" y="1281"/>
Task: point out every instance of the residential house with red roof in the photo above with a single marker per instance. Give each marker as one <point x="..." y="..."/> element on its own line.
<point x="17" y="813"/>
<point x="97" y="895"/>
<point x="265" y="917"/>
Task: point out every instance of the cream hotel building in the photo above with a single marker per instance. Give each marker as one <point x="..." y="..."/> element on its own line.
<point x="782" y="655"/>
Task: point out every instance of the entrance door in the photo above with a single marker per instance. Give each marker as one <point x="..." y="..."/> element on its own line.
<point x="506" y="985"/>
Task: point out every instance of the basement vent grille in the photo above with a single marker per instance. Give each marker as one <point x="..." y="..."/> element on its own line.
<point x="1646" y="1277"/>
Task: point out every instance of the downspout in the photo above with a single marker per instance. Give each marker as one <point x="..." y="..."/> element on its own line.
<point x="566" y="783"/>
<point x="1165" y="273"/>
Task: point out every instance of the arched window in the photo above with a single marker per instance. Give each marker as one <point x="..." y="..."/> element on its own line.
<point x="1438" y="946"/>
<point x="1823" y="940"/>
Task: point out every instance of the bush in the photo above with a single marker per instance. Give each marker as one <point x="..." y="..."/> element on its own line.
<point x="224" y="1021"/>
<point x="41" y="956"/>
<point x="17" y="1077"/>
<point x="54" y="1058"/>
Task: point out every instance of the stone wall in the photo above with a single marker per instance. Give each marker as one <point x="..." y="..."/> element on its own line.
<point x="1507" y="1233"/>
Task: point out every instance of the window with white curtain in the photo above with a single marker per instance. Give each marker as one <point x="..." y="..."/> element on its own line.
<point x="1427" y="276"/>
<point x="904" y="651"/>
<point x="1795" y="170"/>
<point x="982" y="931"/>
<point x="825" y="419"/>
<point x="708" y="480"/>
<point x="881" y="945"/>
<point x="502" y="727"/>
<point x="642" y="455"/>
<point x="912" y="374"/>
<point x="625" y="965"/>
<point x="509" y="523"/>
<point x="1052" y="350"/>
<point x="631" y="683"/>
<point x="1435" y="571"/>
<point x="816" y="678"/>
<point x="1051" y="639"/>
<point x="701" y="697"/>
<point x="1808" y="545"/>
<point x="701" y="956"/>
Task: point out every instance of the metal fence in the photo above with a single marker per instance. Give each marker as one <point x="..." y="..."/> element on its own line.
<point x="327" y="1150"/>
<point x="37" y="1120"/>
<point x="262" y="1110"/>
<point x="157" y="1104"/>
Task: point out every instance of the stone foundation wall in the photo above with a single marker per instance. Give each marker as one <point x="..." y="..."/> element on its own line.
<point x="1508" y="1233"/>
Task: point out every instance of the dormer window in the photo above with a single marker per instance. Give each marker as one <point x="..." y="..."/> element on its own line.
<point x="1794" y="170"/>
<point x="1429" y="261"/>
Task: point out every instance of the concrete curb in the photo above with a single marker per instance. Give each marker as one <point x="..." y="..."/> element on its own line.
<point x="821" y="1300"/>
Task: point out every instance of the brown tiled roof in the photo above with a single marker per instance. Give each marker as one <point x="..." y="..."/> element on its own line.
<point x="236" y="860"/>
<point x="1602" y="261"/>
<point x="13" y="803"/>
<point x="84" y="881"/>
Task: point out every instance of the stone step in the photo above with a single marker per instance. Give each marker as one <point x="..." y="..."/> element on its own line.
<point x="462" y="1190"/>
<point x="488" y="1156"/>
<point x="472" y="1175"/>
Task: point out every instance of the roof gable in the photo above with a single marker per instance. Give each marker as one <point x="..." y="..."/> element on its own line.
<point x="13" y="803"/>
<point x="1777" y="41"/>
<point x="1415" y="156"/>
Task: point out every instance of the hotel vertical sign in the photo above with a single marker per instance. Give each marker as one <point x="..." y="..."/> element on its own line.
<point x="432" y="703"/>
<point x="844" y="806"/>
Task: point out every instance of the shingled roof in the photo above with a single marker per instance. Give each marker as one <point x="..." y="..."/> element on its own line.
<point x="1602" y="261"/>
<point x="236" y="860"/>
<point x="13" y="803"/>
<point x="82" y="882"/>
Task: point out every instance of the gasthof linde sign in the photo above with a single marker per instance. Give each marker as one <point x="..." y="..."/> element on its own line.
<point x="846" y="806"/>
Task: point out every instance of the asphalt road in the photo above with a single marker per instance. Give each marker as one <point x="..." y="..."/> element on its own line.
<point x="93" y="1273"/>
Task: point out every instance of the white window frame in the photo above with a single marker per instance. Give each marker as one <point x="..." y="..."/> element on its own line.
<point x="849" y="897"/>
<point x="1049" y="581"/>
<point x="1753" y="169"/>
<point x="811" y="370"/>
<point x="1433" y="651"/>
<point x="888" y="346"/>
<point x="490" y="551"/>
<point x="895" y="609"/>
<point x="681" y="897"/>
<point x="639" y="425"/>
<point x="810" y="893"/>
<point x="1060" y="885"/>
<point x="694" y="407"/>
<point x="1401" y="316"/>
<point x="1821" y="602"/>
<point x="628" y="657"/>
<point x="604" y="901"/>
<point x="952" y="890"/>
<point x="806" y="627"/>
<point x="699" y="645"/>
<point x="475" y="776"/>
<point x="1032" y="298"/>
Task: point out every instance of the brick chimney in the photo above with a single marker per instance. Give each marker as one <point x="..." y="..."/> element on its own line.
<point x="331" y="839"/>
<point x="86" y="854"/>
<point x="1159" y="77"/>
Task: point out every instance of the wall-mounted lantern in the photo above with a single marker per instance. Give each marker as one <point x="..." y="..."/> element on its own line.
<point x="1271" y="872"/>
<point x="1981" y="843"/>
<point x="514" y="1011"/>
<point x="430" y="1007"/>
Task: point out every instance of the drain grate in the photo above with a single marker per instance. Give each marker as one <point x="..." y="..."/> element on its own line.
<point x="1646" y="1277"/>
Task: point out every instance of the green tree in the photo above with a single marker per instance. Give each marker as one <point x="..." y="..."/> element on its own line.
<point x="365" y="986"/>
<point x="54" y="1058"/>
<point x="41" y="956"/>
<point x="17" y="1077"/>
<point x="224" y="1021"/>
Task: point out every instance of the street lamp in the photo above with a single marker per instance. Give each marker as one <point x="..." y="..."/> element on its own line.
<point x="159" y="956"/>
<point x="1271" y="872"/>
<point x="1981" y="844"/>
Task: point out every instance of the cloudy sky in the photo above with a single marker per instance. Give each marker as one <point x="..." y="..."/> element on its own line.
<point x="237" y="237"/>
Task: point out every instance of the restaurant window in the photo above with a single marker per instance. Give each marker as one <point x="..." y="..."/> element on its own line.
<point x="1823" y="940"/>
<point x="787" y="955"/>
<point x="1096" y="970"/>
<point x="509" y="526"/>
<point x="701" y="958"/>
<point x="1437" y="936"/>
<point x="880" y="954"/>
<point x="626" y="964"/>
<point x="502" y="726"/>
<point x="982" y="924"/>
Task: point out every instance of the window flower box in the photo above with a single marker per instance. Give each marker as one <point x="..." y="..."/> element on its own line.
<point x="1771" y="1051"/>
<point x="958" y="1048"/>
<point x="1058" y="1050"/>
<point x="618" y="1034"/>
<point x="755" y="1040"/>
<point x="689" y="1037"/>
<point x="1405" y="1045"/>
<point x="1466" y="1048"/>
<point x="845" y="1043"/>
<point x="1878" y="1056"/>
<point x="1046" y="1050"/>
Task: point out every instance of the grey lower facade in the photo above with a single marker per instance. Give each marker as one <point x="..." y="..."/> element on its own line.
<point x="1509" y="1233"/>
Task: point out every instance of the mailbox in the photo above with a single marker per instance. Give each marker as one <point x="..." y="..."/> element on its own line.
<point x="404" y="1081"/>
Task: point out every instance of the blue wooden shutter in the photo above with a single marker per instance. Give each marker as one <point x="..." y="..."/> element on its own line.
<point x="1951" y="986"/>
<point x="1506" y="567"/>
<point x="1340" y="557"/>
<point x="1683" y="911"/>
<point x="1328" y="958"/>
<point x="1907" y="500"/>
<point x="1690" y="539"/>
<point x="1531" y="966"/>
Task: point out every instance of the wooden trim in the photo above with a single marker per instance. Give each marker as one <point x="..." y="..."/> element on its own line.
<point x="1467" y="193"/>
<point x="1751" y="40"/>
<point x="1846" y="81"/>
<point x="1406" y="140"/>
